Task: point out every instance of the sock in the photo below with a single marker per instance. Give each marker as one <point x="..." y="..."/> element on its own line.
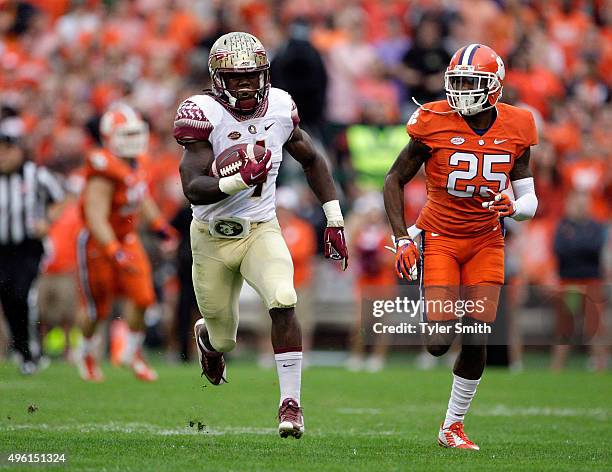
<point x="87" y="345"/>
<point x="133" y="344"/>
<point x="461" y="396"/>
<point x="289" y="368"/>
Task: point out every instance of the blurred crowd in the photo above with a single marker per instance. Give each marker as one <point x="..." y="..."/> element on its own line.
<point x="356" y="70"/>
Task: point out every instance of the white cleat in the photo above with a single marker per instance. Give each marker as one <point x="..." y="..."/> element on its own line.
<point x="455" y="437"/>
<point x="89" y="369"/>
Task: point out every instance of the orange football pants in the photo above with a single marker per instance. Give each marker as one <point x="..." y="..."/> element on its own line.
<point x="100" y="280"/>
<point x="461" y="276"/>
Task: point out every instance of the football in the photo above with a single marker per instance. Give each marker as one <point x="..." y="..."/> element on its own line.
<point x="232" y="159"/>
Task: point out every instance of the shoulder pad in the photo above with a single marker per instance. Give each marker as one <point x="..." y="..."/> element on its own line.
<point x="190" y="123"/>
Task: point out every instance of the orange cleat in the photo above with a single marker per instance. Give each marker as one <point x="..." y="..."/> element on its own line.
<point x="142" y="370"/>
<point x="455" y="437"/>
<point x="89" y="369"/>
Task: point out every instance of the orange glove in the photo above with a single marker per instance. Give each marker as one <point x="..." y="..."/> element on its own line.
<point x="406" y="258"/>
<point x="501" y="203"/>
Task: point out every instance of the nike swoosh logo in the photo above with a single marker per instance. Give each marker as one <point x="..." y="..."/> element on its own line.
<point x="256" y="175"/>
<point x="499" y="141"/>
<point x="269" y="126"/>
<point x="435" y="234"/>
<point x="288" y="365"/>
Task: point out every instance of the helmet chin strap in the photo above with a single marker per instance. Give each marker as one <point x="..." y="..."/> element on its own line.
<point x="423" y="107"/>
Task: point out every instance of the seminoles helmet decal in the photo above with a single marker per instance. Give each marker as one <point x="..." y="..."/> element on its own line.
<point x="235" y="53"/>
<point x="474" y="79"/>
<point x="123" y="131"/>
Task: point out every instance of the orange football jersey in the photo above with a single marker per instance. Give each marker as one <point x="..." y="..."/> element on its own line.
<point x="129" y="192"/>
<point x="464" y="165"/>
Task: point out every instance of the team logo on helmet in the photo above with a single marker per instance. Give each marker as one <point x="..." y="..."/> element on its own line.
<point x="239" y="53"/>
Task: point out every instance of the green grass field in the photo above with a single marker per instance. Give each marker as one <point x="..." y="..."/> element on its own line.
<point x="354" y="421"/>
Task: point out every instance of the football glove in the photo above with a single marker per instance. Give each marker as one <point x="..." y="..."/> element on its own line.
<point x="333" y="238"/>
<point x="335" y="245"/>
<point x="501" y="203"/>
<point x="256" y="172"/>
<point x="406" y="258"/>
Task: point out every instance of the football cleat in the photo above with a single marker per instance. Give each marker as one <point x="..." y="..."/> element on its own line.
<point x="142" y="370"/>
<point x="455" y="437"/>
<point x="89" y="369"/>
<point x="27" y="368"/>
<point x="290" y="418"/>
<point x="212" y="363"/>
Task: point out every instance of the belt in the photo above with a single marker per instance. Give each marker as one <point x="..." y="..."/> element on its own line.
<point x="253" y="224"/>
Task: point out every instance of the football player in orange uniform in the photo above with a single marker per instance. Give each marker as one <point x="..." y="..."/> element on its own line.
<point x="473" y="149"/>
<point x="111" y="259"/>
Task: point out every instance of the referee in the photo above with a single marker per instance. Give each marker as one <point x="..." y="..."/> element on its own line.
<point x="27" y="194"/>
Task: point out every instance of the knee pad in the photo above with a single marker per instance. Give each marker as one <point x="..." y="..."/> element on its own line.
<point x="284" y="296"/>
<point x="222" y="344"/>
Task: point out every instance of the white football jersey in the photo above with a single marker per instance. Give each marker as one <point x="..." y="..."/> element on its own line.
<point x="202" y="117"/>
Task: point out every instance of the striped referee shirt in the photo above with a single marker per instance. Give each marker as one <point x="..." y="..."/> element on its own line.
<point x="25" y="195"/>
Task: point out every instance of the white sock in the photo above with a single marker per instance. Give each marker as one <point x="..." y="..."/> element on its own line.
<point x="461" y="396"/>
<point x="133" y="343"/>
<point x="87" y="345"/>
<point x="289" y="368"/>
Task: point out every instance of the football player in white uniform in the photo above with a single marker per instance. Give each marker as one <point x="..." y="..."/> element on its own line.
<point x="242" y="108"/>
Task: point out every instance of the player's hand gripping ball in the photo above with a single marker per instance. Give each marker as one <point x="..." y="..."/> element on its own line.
<point x="252" y="161"/>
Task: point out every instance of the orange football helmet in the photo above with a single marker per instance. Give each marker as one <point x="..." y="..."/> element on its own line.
<point x="474" y="79"/>
<point x="123" y="131"/>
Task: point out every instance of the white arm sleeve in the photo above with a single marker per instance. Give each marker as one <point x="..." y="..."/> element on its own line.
<point x="526" y="202"/>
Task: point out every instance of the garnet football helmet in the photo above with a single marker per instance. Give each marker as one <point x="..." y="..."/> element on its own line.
<point x="123" y="131"/>
<point x="474" y="79"/>
<point x="235" y="53"/>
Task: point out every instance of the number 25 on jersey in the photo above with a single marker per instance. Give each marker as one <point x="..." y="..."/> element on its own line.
<point x="479" y="177"/>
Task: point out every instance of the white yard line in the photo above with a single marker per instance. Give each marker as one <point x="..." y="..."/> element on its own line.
<point x="504" y="410"/>
<point x="600" y="414"/>
<point x="139" y="428"/>
<point x="492" y="410"/>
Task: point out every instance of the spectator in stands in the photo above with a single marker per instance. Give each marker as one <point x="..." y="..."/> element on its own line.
<point x="298" y="68"/>
<point x="579" y="244"/>
<point x="425" y="62"/>
<point x="349" y="64"/>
